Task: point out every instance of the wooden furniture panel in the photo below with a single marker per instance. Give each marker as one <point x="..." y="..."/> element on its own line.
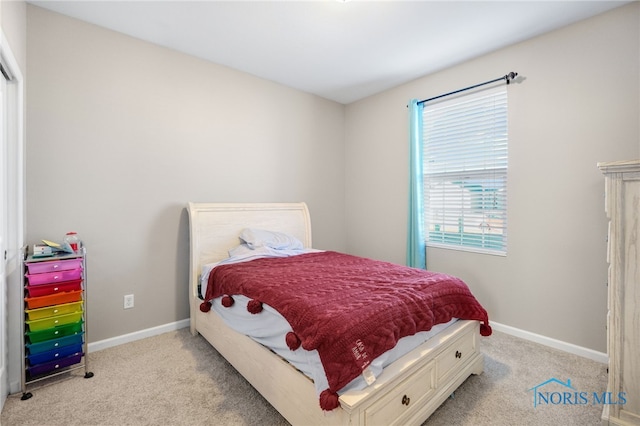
<point x="622" y="190"/>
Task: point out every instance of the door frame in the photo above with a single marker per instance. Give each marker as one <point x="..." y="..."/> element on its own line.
<point x="13" y="224"/>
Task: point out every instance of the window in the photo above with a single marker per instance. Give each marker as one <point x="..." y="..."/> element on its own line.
<point x="465" y="172"/>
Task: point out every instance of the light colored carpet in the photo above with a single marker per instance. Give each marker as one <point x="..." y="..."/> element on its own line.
<point x="178" y="379"/>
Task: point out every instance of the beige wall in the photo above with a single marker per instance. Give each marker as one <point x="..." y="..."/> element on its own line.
<point x="123" y="133"/>
<point x="577" y="105"/>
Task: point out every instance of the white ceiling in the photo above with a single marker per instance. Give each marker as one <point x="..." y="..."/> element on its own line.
<point x="343" y="51"/>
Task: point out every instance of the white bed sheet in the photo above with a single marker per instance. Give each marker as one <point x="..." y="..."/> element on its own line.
<point x="269" y="328"/>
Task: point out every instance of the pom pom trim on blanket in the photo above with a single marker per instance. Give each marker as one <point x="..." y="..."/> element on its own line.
<point x="227" y="301"/>
<point x="485" y="329"/>
<point x="254" y="306"/>
<point x="329" y="400"/>
<point x="293" y="341"/>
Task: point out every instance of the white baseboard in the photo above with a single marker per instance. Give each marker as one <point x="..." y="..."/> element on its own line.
<point x="137" y="335"/>
<point x="523" y="334"/>
<point x="548" y="341"/>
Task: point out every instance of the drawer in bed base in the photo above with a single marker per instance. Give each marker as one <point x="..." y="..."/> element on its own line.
<point x="416" y="393"/>
<point x="455" y="356"/>
<point x="395" y="406"/>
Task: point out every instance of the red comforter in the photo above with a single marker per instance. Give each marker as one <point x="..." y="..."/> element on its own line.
<point x="351" y="309"/>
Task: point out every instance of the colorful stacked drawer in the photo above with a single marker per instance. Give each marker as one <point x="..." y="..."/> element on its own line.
<point x="58" y="342"/>
<point x="54" y="321"/>
<point x="54" y="298"/>
<point x="54" y="309"/>
<point x="54" y="333"/>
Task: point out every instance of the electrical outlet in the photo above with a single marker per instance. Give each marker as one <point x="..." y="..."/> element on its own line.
<point x="128" y="301"/>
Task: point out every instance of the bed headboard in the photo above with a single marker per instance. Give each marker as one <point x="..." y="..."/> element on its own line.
<point x="214" y="229"/>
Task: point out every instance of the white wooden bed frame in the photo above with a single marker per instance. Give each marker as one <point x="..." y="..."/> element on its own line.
<point x="407" y="392"/>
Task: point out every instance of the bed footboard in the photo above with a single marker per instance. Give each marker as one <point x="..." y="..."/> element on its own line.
<point x="407" y="392"/>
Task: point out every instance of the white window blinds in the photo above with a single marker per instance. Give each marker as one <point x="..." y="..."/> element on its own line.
<point x="465" y="172"/>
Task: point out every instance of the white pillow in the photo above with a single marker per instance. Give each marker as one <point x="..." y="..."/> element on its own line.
<point x="255" y="238"/>
<point x="240" y="250"/>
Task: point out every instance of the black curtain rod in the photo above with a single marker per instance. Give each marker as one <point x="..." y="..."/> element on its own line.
<point x="507" y="78"/>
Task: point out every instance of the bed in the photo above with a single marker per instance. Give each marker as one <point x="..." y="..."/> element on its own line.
<point x="407" y="391"/>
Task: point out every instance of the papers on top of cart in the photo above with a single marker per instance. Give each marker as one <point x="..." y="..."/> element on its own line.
<point x="63" y="247"/>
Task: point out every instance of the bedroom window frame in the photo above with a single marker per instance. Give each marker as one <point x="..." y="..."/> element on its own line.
<point x="465" y="162"/>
